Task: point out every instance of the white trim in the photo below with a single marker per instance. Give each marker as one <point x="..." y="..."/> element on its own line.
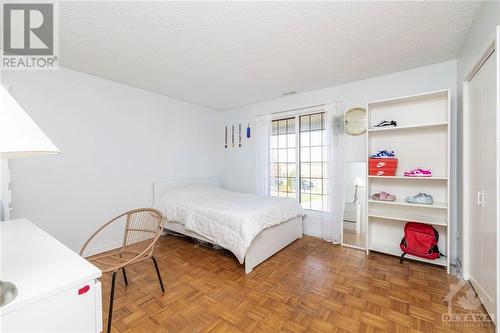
<point x="352" y="246"/>
<point x="416" y="96"/>
<point x="298" y="112"/>
<point x="497" y="40"/>
<point x="103" y="248"/>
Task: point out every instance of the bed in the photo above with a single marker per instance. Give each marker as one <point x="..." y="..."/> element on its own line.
<point x="252" y="227"/>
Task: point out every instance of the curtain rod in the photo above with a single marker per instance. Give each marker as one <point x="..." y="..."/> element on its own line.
<point x="291" y="110"/>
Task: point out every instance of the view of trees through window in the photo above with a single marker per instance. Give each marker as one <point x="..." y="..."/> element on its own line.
<point x="299" y="167"/>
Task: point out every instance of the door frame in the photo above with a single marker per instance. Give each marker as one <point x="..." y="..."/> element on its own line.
<point x="466" y="148"/>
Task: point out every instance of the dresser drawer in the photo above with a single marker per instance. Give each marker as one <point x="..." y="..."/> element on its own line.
<point x="75" y="309"/>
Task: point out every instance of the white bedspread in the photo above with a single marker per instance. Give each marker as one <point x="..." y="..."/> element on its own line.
<point x="229" y="219"/>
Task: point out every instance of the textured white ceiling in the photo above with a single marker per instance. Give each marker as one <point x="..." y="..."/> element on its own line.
<point x="228" y="54"/>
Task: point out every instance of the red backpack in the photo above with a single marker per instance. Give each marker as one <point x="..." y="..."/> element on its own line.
<point x="420" y="240"/>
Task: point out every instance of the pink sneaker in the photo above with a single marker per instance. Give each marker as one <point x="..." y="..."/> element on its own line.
<point x="418" y="173"/>
<point x="383" y="196"/>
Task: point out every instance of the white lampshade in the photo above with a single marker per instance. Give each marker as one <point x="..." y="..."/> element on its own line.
<point x="19" y="135"/>
<point x="358" y="182"/>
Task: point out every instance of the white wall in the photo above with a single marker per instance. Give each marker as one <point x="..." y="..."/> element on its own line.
<point x="479" y="38"/>
<point x="237" y="169"/>
<point x="115" y="141"/>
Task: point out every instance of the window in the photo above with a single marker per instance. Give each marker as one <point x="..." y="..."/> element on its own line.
<point x="299" y="167"/>
<point x="283" y="158"/>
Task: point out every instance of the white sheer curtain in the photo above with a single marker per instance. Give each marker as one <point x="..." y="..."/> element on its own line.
<point x="262" y="130"/>
<point x="331" y="220"/>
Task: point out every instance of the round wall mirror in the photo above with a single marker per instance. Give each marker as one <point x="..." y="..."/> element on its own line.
<point x="355" y="121"/>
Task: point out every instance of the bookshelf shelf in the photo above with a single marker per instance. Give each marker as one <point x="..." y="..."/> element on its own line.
<point x="419" y="142"/>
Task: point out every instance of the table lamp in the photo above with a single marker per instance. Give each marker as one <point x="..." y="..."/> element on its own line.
<point x="357" y="182"/>
<point x="19" y="137"/>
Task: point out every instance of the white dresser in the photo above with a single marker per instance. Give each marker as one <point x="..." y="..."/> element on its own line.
<point x="58" y="291"/>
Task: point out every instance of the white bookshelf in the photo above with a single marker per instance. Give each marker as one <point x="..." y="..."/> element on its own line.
<point x="421" y="140"/>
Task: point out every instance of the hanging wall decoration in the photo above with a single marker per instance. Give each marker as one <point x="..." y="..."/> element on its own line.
<point x="232" y="136"/>
<point x="248" y="131"/>
<point x="225" y="138"/>
<point x="239" y="135"/>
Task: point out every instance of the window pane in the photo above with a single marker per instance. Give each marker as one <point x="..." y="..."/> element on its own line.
<point x="305" y="154"/>
<point x="282" y="127"/>
<point x="305" y="139"/>
<point x="273" y="184"/>
<point x="282" y="170"/>
<point x="291" y="184"/>
<point x="304" y="123"/>
<point x="305" y="170"/>
<point x="316" y="123"/>
<point x="275" y="128"/>
<point x="282" y="186"/>
<point x="316" y="186"/>
<point x="282" y="141"/>
<point x="316" y="138"/>
<point x="292" y="170"/>
<point x="305" y="200"/>
<point x="291" y="126"/>
<point x="274" y="170"/>
<point x="292" y="195"/>
<point x="281" y="155"/>
<point x="316" y="170"/>
<point x="305" y="185"/>
<point x="316" y="155"/>
<point x="290" y="155"/>
<point x="274" y="155"/>
<point x="316" y="202"/>
<point x="274" y="141"/>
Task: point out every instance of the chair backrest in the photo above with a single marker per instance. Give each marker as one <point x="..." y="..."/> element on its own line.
<point x="142" y="228"/>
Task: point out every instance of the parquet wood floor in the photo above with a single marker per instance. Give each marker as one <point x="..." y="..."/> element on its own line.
<point x="310" y="286"/>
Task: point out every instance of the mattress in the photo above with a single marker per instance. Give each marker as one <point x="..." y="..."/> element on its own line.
<point x="229" y="219"/>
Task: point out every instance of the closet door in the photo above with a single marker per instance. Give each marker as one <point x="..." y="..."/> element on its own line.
<point x="488" y="180"/>
<point x="482" y="177"/>
<point x="474" y="175"/>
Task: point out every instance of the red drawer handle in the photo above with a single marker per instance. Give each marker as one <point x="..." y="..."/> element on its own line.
<point x="380" y="164"/>
<point x="83" y="290"/>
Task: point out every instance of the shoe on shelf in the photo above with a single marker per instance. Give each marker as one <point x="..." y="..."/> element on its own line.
<point x="420" y="198"/>
<point x="418" y="173"/>
<point x="383" y="196"/>
<point x="383" y="154"/>
<point x="386" y="123"/>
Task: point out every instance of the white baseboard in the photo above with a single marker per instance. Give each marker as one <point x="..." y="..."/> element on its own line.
<point x="311" y="226"/>
<point x="103" y="248"/>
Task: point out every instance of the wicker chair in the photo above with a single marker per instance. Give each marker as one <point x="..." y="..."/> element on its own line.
<point x="142" y="229"/>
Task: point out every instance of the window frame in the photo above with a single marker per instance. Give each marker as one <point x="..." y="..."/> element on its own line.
<point x="297" y="189"/>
